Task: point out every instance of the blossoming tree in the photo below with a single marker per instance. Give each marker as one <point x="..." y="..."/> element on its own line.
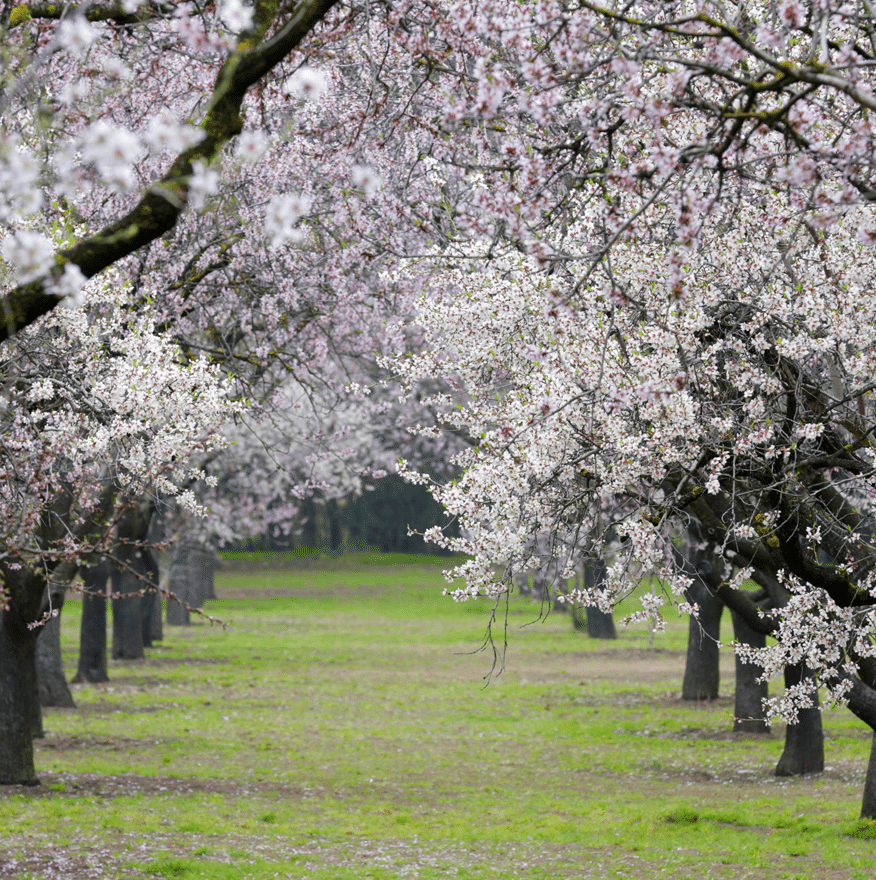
<point x="679" y="327"/>
<point x="643" y="231"/>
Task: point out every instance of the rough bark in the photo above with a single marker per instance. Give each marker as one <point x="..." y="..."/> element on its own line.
<point x="20" y="714"/>
<point x="201" y="566"/>
<point x="130" y="578"/>
<point x="748" y="710"/>
<point x="51" y="680"/>
<point x="178" y="585"/>
<point x="868" y="802"/>
<point x="702" y="674"/>
<point x="148" y="600"/>
<point x="19" y="702"/>
<point x="804" y="741"/>
<point x="92" y="632"/>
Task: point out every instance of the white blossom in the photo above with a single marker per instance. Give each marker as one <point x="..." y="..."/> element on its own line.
<point x="203" y="183"/>
<point x="251" y="145"/>
<point x="366" y="179"/>
<point x="281" y="214"/>
<point x="30" y="253"/>
<point x="307" y="83"/>
<point x="76" y="34"/>
<point x="236" y="15"/>
<point x="166" y="132"/>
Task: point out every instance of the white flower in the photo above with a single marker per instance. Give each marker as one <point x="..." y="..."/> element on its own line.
<point x="281" y="214"/>
<point x="366" y="179"/>
<point x="867" y="235"/>
<point x="203" y="183"/>
<point x="70" y="285"/>
<point x="75" y="34"/>
<point x="31" y="253"/>
<point x="235" y="15"/>
<point x="166" y="132"/>
<point x="116" y="69"/>
<point x="307" y="83"/>
<point x="74" y="92"/>
<point x="42" y="389"/>
<point x="20" y="192"/>
<point x="251" y="146"/>
<point x="112" y="150"/>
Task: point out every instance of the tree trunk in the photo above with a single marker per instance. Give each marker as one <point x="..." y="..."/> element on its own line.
<point x="701" y="673"/>
<point x="130" y="580"/>
<point x="336" y="536"/>
<point x="178" y="584"/>
<point x="92" y="632"/>
<point x="202" y="563"/>
<point x="150" y="597"/>
<point x="51" y="681"/>
<point x="127" y="618"/>
<point x="748" y="710"/>
<point x="20" y="715"/>
<point x="600" y="624"/>
<point x="804" y="741"/>
<point x="868" y="804"/>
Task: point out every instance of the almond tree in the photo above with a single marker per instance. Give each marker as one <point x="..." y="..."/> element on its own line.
<point x="643" y="232"/>
<point x="661" y="312"/>
<point x="99" y="403"/>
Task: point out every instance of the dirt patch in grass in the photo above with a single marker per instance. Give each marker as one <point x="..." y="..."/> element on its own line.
<point x="59" y="785"/>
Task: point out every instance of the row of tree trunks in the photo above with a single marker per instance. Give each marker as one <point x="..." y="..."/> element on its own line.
<point x="804" y="741"/>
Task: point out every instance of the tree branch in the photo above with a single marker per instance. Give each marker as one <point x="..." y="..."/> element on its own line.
<point x="162" y="205"/>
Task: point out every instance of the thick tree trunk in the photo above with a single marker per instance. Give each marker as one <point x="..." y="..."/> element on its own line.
<point x="202" y="564"/>
<point x="179" y="585"/>
<point x="20" y="716"/>
<point x="156" y="630"/>
<point x="868" y="804"/>
<point x="92" y="632"/>
<point x="149" y="599"/>
<point x="129" y="581"/>
<point x="702" y="674"/>
<point x="600" y="624"/>
<point x="51" y="681"/>
<point x="804" y="741"/>
<point x="750" y="693"/>
<point x="334" y="519"/>
<point x="127" y="619"/>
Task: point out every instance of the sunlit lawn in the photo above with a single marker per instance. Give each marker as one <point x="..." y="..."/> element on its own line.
<point x="340" y="727"/>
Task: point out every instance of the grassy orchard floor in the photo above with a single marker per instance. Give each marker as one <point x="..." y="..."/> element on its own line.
<point x="338" y="730"/>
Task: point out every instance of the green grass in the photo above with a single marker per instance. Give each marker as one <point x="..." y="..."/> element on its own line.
<point x="340" y="727"/>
